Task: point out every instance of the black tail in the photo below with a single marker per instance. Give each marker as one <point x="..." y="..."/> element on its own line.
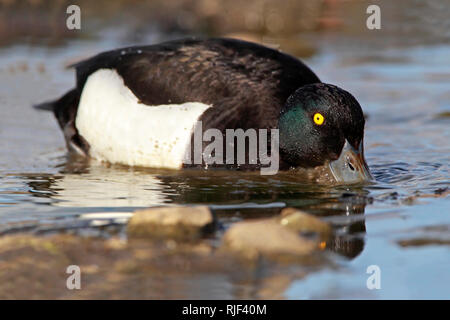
<point x="65" y="110"/>
<point x="46" y="106"/>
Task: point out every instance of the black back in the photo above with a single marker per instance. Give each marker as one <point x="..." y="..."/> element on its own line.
<point x="240" y="79"/>
<point x="246" y="83"/>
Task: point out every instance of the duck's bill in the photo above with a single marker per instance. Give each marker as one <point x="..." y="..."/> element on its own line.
<point x="351" y="167"/>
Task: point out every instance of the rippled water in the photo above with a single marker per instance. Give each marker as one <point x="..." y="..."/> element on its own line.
<point x="400" y="223"/>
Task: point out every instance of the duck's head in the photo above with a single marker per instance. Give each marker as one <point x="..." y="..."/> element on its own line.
<point x="323" y="125"/>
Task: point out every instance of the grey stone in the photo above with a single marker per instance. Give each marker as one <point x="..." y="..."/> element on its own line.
<point x="171" y="222"/>
<point x="266" y="237"/>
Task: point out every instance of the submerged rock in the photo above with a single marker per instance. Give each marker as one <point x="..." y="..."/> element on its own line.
<point x="303" y="222"/>
<point x="171" y="222"/>
<point x="278" y="237"/>
<point x="266" y="237"/>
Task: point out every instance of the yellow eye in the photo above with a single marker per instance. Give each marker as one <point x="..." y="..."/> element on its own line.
<point x="318" y="119"/>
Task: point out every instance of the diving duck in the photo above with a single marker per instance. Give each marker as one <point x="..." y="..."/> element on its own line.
<point x="140" y="105"/>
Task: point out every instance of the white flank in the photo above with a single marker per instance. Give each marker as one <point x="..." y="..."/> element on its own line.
<point x="119" y="129"/>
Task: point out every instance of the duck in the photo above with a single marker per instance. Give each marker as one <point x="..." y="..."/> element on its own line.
<point x="142" y="106"/>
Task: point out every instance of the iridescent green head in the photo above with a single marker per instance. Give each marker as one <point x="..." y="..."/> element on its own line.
<point x="321" y="124"/>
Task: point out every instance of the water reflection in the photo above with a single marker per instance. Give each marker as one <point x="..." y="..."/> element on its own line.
<point x="232" y="195"/>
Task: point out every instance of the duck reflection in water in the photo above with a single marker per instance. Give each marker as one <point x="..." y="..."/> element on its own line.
<point x="232" y="195"/>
